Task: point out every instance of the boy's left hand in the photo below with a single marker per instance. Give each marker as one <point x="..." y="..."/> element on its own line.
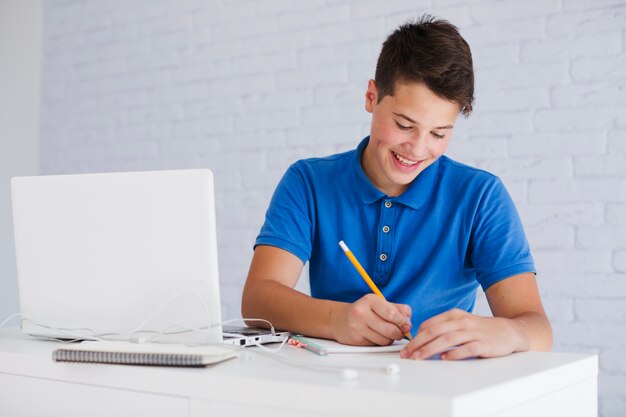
<point x="457" y="334"/>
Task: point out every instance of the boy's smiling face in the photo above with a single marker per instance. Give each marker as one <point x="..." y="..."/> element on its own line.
<point x="410" y="130"/>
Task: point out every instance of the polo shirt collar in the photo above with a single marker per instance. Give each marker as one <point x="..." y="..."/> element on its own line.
<point x="414" y="196"/>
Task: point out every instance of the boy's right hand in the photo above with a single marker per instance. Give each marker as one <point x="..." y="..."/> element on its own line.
<point x="370" y="321"/>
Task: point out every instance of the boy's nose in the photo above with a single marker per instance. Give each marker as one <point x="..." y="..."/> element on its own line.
<point x="416" y="147"/>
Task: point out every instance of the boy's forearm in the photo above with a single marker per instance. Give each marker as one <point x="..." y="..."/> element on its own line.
<point x="288" y="309"/>
<point x="535" y="332"/>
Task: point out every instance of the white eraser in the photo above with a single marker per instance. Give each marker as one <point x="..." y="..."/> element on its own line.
<point x="343" y="246"/>
<point x="392" y="369"/>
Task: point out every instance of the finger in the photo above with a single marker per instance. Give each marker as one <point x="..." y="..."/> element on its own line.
<point x="388" y="329"/>
<point x="390" y="313"/>
<point x="465" y="351"/>
<point x="375" y="329"/>
<point x="428" y="331"/>
<point x="428" y="334"/>
<point x="405" y="310"/>
<point x="446" y="322"/>
<point x="376" y="338"/>
<point x="381" y="325"/>
<point x="442" y="344"/>
<point x="453" y="314"/>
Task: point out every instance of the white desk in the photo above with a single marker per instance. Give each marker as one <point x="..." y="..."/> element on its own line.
<point x="525" y="384"/>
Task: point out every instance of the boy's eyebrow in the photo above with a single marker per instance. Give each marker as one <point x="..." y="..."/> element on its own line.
<point x="404" y="116"/>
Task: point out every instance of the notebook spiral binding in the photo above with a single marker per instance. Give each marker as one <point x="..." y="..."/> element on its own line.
<point x="128" y="358"/>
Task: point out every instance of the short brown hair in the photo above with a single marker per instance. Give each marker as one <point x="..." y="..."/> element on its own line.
<point x="431" y="51"/>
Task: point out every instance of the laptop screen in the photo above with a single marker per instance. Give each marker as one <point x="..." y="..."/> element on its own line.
<point x="115" y="253"/>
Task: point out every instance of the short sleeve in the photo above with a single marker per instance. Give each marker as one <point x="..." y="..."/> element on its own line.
<point x="498" y="245"/>
<point x="288" y="220"/>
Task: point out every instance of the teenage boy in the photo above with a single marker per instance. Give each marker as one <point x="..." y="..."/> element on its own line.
<point x="428" y="229"/>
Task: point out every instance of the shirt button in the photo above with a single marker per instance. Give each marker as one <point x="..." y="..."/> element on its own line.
<point x="387" y="204"/>
<point x="386" y="229"/>
<point x="383" y="257"/>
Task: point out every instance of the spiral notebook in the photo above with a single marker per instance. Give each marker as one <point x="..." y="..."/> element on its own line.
<point x="151" y="354"/>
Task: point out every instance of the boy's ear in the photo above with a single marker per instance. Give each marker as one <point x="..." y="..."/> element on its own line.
<point x="371" y="96"/>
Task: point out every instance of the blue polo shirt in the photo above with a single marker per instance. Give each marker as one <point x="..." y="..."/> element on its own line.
<point x="453" y="229"/>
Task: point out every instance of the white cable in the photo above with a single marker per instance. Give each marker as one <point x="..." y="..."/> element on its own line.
<point x="268" y="350"/>
<point x="159" y="308"/>
<point x="185" y="329"/>
<point x="264" y="350"/>
<point x="8" y="319"/>
<point x="139" y="329"/>
<point x="65" y="331"/>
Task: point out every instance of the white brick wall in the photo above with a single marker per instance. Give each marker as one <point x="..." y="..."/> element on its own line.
<point x="247" y="87"/>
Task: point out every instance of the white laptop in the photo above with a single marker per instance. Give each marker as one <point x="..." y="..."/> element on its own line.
<point x="128" y="255"/>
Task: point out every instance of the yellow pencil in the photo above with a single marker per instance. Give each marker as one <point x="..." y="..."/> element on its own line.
<point x="363" y="274"/>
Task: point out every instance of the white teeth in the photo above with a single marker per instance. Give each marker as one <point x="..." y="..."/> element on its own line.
<point x="404" y="161"/>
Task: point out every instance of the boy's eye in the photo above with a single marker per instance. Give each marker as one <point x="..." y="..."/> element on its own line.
<point x="436" y="135"/>
<point x="402" y="126"/>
